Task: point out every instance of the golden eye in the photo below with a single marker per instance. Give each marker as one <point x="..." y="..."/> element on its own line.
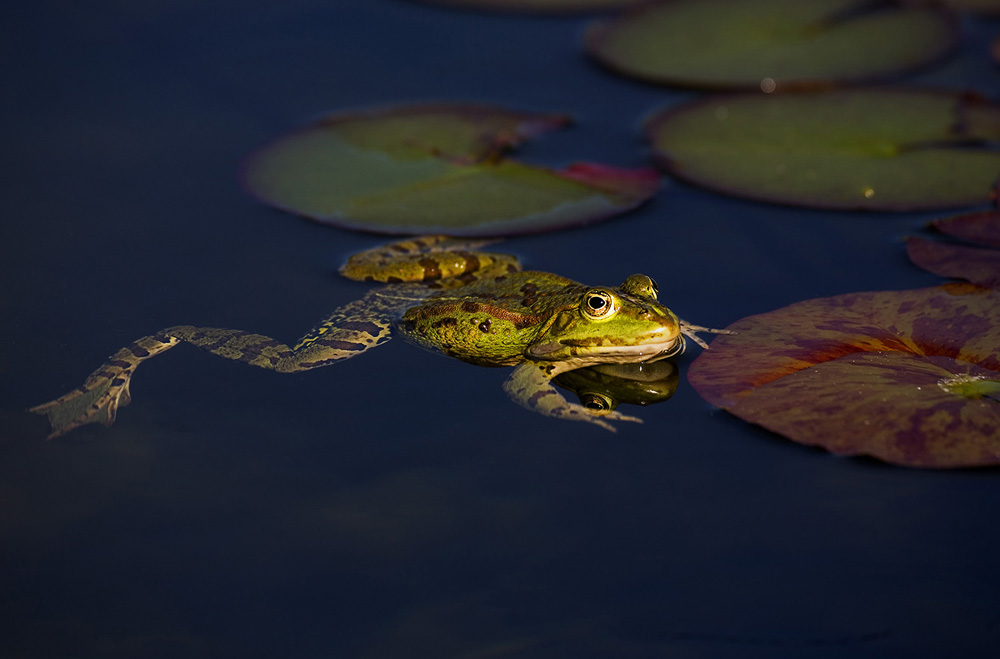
<point x="597" y="404"/>
<point x="598" y="304"/>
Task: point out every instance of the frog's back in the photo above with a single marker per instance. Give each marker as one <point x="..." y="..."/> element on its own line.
<point x="490" y="322"/>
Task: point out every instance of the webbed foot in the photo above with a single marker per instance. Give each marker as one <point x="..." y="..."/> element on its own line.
<point x="96" y="401"/>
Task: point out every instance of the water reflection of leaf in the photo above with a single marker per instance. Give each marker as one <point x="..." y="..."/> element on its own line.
<point x="770" y="44"/>
<point x="910" y="377"/>
<point x="885" y="149"/>
<point x="436" y="169"/>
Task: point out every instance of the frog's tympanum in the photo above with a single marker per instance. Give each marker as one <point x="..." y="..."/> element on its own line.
<point x="474" y="306"/>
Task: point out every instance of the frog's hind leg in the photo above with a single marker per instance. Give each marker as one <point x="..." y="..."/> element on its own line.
<point x="106" y="389"/>
<point x="427" y="258"/>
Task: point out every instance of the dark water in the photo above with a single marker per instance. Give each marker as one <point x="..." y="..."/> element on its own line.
<point x="397" y="505"/>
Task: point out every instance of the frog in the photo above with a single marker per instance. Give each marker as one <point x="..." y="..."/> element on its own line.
<point x="447" y="295"/>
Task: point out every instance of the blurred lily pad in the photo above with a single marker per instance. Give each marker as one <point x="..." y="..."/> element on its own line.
<point x="909" y="377"/>
<point x="978" y="263"/>
<point x="539" y="6"/>
<point x="436" y="169"/>
<point x="771" y="44"/>
<point x="886" y="149"/>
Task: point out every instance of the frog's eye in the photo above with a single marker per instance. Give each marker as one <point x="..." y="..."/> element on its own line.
<point x="597" y="404"/>
<point x="598" y="304"/>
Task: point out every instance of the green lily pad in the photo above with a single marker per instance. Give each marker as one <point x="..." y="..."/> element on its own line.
<point x="436" y="169"/>
<point x="539" y="6"/>
<point x="885" y="149"/>
<point x="979" y="264"/>
<point x="909" y="377"/>
<point x="771" y="44"/>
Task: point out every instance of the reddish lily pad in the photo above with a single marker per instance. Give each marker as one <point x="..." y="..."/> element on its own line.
<point x="539" y="6"/>
<point x="977" y="264"/>
<point x="771" y="44"/>
<point x="885" y="149"/>
<point x="436" y="169"/>
<point x="909" y="377"/>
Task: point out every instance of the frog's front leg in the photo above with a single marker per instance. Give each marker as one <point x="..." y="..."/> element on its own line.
<point x="341" y="336"/>
<point x="531" y="385"/>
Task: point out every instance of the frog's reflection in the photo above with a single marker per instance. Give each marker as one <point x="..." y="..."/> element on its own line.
<point x="604" y="387"/>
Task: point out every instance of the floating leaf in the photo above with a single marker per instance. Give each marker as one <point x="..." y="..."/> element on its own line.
<point x="772" y="44"/>
<point x="436" y="169"/>
<point x="884" y="149"/>
<point x="979" y="265"/>
<point x="539" y="6"/>
<point x="910" y="377"/>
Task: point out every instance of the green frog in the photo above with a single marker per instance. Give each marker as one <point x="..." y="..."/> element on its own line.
<point x="444" y="295"/>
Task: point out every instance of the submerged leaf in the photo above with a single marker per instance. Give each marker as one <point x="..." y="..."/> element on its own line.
<point x="771" y="44"/>
<point x="979" y="265"/>
<point x="910" y="377"/>
<point x="884" y="149"/>
<point x="436" y="169"/>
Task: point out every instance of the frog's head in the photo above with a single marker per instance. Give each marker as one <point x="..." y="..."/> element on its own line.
<point x="611" y="325"/>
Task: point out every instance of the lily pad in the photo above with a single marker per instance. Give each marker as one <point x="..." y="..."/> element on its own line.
<point x="885" y="149"/>
<point x="436" y="169"/>
<point x="771" y="44"/>
<point x="539" y="6"/>
<point x="979" y="264"/>
<point x="909" y="377"/>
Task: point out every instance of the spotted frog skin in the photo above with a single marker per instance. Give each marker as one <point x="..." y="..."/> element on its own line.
<point x="474" y="306"/>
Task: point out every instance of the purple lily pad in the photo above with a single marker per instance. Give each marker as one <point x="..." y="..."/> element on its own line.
<point x="978" y="263"/>
<point x="909" y="377"/>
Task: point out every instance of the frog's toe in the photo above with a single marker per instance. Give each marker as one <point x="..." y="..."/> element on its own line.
<point x="618" y="416"/>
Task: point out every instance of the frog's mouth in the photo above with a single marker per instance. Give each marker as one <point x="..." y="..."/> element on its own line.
<point x="649" y="352"/>
<point x="585" y="352"/>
